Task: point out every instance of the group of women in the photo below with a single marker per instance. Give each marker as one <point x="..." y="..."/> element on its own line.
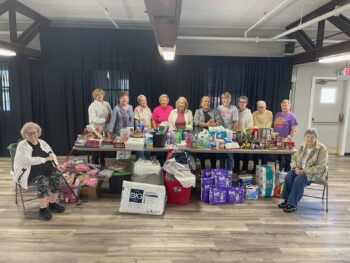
<point x="36" y="164"/>
<point x="226" y="114"/>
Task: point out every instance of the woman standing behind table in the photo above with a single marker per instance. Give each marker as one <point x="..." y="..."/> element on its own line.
<point x="181" y="118"/>
<point x="122" y="115"/>
<point x="203" y="119"/>
<point x="142" y="113"/>
<point x="229" y="116"/>
<point x="99" y="115"/>
<point x="245" y="121"/>
<point x="285" y="124"/>
<point x="143" y="116"/>
<point x="161" y="112"/>
<point x="262" y="118"/>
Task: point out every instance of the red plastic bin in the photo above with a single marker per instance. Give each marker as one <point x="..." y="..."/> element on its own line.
<point x="177" y="194"/>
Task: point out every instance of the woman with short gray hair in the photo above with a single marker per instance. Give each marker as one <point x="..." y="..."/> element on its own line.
<point x="309" y="162"/>
<point x="143" y="113"/>
<point x="36" y="164"/>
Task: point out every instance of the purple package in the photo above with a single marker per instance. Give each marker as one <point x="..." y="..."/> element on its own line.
<point x="213" y="173"/>
<point x="206" y="185"/>
<point x="235" y="195"/>
<point x="206" y="173"/>
<point x="229" y="180"/>
<point x="206" y="182"/>
<point x="220" y="181"/>
<point x="217" y="196"/>
<point x="205" y="194"/>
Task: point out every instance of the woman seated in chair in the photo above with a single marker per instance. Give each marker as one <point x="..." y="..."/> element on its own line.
<point x="308" y="164"/>
<point x="36" y="164"/>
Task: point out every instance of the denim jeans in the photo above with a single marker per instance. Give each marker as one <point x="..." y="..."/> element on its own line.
<point x="293" y="189"/>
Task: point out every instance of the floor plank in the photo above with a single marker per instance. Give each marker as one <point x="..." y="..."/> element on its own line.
<point x="256" y="231"/>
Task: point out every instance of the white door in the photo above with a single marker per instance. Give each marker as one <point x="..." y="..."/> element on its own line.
<point x="327" y="115"/>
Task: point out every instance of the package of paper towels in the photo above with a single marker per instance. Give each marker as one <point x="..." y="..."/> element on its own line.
<point x="139" y="198"/>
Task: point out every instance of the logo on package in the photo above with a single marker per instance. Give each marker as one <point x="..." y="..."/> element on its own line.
<point x="136" y="195"/>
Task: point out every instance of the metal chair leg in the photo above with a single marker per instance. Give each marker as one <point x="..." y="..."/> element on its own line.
<point x="327" y="198"/>
<point x="16" y="186"/>
<point x="324" y="188"/>
<point x="20" y="190"/>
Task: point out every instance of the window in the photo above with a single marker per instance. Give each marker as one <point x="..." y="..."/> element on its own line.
<point x="328" y="95"/>
<point x="112" y="82"/>
<point x="5" y="89"/>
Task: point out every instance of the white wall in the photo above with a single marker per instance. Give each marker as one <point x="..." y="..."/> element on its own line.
<point x="302" y="94"/>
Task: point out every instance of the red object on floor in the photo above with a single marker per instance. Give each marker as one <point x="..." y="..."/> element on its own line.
<point x="277" y="191"/>
<point x="177" y="194"/>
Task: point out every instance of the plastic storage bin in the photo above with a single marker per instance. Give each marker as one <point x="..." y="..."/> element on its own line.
<point x="177" y="194"/>
<point x="116" y="181"/>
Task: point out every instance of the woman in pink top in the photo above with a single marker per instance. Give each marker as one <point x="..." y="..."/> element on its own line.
<point x="161" y="113"/>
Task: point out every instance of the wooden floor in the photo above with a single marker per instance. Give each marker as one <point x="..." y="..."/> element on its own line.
<point x="256" y="231"/>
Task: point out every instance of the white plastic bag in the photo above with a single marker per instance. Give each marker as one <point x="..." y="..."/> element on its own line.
<point x="138" y="198"/>
<point x="148" y="172"/>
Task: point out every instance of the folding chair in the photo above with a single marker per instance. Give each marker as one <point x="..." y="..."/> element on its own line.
<point x="18" y="188"/>
<point x="317" y="189"/>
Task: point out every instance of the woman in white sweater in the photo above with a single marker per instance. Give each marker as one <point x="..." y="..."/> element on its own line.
<point x="181" y="118"/>
<point x="36" y="164"/>
<point x="99" y="115"/>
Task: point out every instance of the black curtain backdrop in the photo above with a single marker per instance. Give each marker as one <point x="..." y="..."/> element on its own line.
<point x="56" y="90"/>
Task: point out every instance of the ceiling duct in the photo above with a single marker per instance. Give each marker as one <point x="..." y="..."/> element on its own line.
<point x="165" y="18"/>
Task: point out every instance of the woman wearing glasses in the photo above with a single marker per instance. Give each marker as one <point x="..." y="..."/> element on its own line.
<point x="36" y="164"/>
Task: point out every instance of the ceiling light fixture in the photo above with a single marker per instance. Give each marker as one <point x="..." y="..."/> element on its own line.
<point x="168" y="53"/>
<point x="335" y="58"/>
<point x="7" y="53"/>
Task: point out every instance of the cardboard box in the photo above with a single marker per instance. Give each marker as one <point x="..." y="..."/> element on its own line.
<point x="91" y="192"/>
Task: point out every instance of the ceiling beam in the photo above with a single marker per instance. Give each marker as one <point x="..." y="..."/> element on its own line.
<point x="20" y="49"/>
<point x="165" y="18"/>
<point x="304" y="40"/>
<point x="26" y="11"/>
<point x="314" y="55"/>
<point x="29" y="34"/>
<point x="320" y="34"/>
<point x="12" y="24"/>
<point x="289" y="48"/>
<point x="4" y="7"/>
<point x="19" y="43"/>
<point x="318" y="12"/>
<point x="342" y="23"/>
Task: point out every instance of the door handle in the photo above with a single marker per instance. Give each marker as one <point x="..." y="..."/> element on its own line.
<point x="341" y="117"/>
<point x="313" y="119"/>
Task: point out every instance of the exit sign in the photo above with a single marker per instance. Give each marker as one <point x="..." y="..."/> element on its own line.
<point x="344" y="72"/>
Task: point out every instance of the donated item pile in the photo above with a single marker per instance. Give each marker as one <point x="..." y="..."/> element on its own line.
<point x="83" y="178"/>
<point x="216" y="187"/>
<point x="251" y="191"/>
<point x="217" y="138"/>
<point x="146" y="194"/>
